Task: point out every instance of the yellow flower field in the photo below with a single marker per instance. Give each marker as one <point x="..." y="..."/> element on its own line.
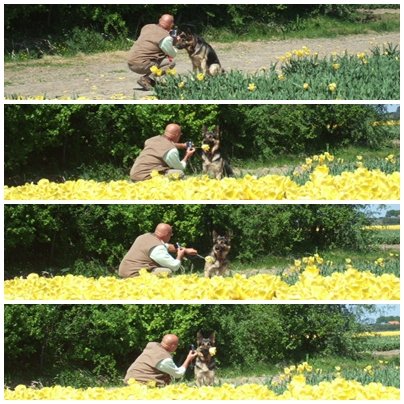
<point x="362" y="184"/>
<point x="297" y="389"/>
<point x="383" y="227"/>
<point x="349" y="285"/>
<point x="380" y="334"/>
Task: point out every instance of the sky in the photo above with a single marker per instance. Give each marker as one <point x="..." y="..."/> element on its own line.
<point x="392" y="107"/>
<point x="380" y="210"/>
<point x="381" y="310"/>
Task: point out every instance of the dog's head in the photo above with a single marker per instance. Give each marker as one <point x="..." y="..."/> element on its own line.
<point x="221" y="244"/>
<point x="186" y="39"/>
<point x="205" y="343"/>
<point x="211" y="137"/>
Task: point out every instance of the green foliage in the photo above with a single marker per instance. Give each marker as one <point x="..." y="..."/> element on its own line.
<point x="70" y="341"/>
<point x="87" y="239"/>
<point x="66" y="28"/>
<point x="371" y="78"/>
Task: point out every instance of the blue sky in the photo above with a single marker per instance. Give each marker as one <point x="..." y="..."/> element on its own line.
<point x="381" y="211"/>
<point x="381" y="310"/>
<point x="392" y="107"/>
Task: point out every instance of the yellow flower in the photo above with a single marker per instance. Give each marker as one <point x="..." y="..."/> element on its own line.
<point x="359" y="158"/>
<point x="252" y="87"/>
<point x="205" y="147"/>
<point x="306" y="86"/>
<point x="209" y="259"/>
<point x="281" y="77"/>
<point x="181" y="84"/>
<point x="156" y="71"/>
<point x="332" y="87"/>
<point x="336" y="66"/>
<point x="171" y="72"/>
<point x="200" y="76"/>
<point x="212" y="351"/>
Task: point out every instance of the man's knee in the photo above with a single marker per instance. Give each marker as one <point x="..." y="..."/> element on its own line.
<point x="161" y="270"/>
<point x="139" y="69"/>
<point x="175" y="174"/>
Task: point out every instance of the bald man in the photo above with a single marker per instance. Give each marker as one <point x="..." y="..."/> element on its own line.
<point x="155" y="363"/>
<point x="160" y="153"/>
<point x="152" y="252"/>
<point x="154" y="47"/>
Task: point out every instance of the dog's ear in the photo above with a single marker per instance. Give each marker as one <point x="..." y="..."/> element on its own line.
<point x="199" y="337"/>
<point x="213" y="338"/>
<point x="214" y="236"/>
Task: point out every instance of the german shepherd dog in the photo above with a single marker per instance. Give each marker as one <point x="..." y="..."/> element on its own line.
<point x="205" y="362"/>
<point x="216" y="262"/>
<point x="213" y="164"/>
<point x="202" y="55"/>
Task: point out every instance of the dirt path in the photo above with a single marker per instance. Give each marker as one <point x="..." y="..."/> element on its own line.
<point x="106" y="76"/>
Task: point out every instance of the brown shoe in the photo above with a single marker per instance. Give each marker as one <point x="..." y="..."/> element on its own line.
<point x="146" y="83"/>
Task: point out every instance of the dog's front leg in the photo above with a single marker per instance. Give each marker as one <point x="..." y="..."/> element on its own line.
<point x="204" y="66"/>
<point x="215" y="147"/>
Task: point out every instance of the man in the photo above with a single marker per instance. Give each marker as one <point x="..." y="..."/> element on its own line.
<point x="155" y="363"/>
<point x="152" y="252"/>
<point x="161" y="154"/>
<point x="151" y="49"/>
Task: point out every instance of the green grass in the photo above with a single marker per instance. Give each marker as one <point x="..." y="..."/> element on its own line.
<point x="352" y="369"/>
<point x="379" y="343"/>
<point x="288" y="161"/>
<point x="316" y="27"/>
<point x="385" y="236"/>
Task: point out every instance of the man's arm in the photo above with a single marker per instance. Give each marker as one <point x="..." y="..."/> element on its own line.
<point x="160" y="255"/>
<point x="172" y="158"/>
<point x="166" y="45"/>
<point x="168" y="366"/>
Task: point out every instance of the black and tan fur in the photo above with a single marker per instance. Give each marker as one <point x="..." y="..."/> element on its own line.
<point x="203" y="57"/>
<point x="205" y="362"/>
<point x="213" y="163"/>
<point x="220" y="250"/>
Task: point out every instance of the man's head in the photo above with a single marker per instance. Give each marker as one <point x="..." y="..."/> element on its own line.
<point x="166" y="21"/>
<point x="173" y="132"/>
<point x="163" y="232"/>
<point x="170" y="342"/>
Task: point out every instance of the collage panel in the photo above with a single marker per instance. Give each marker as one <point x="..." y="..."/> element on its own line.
<point x="202" y="252"/>
<point x="241" y="351"/>
<point x="202" y="52"/>
<point x="202" y="152"/>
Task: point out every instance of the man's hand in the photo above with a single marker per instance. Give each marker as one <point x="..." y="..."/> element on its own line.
<point x="192" y="355"/>
<point x="189" y="153"/>
<point x="181" y="253"/>
<point x="190" y="251"/>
